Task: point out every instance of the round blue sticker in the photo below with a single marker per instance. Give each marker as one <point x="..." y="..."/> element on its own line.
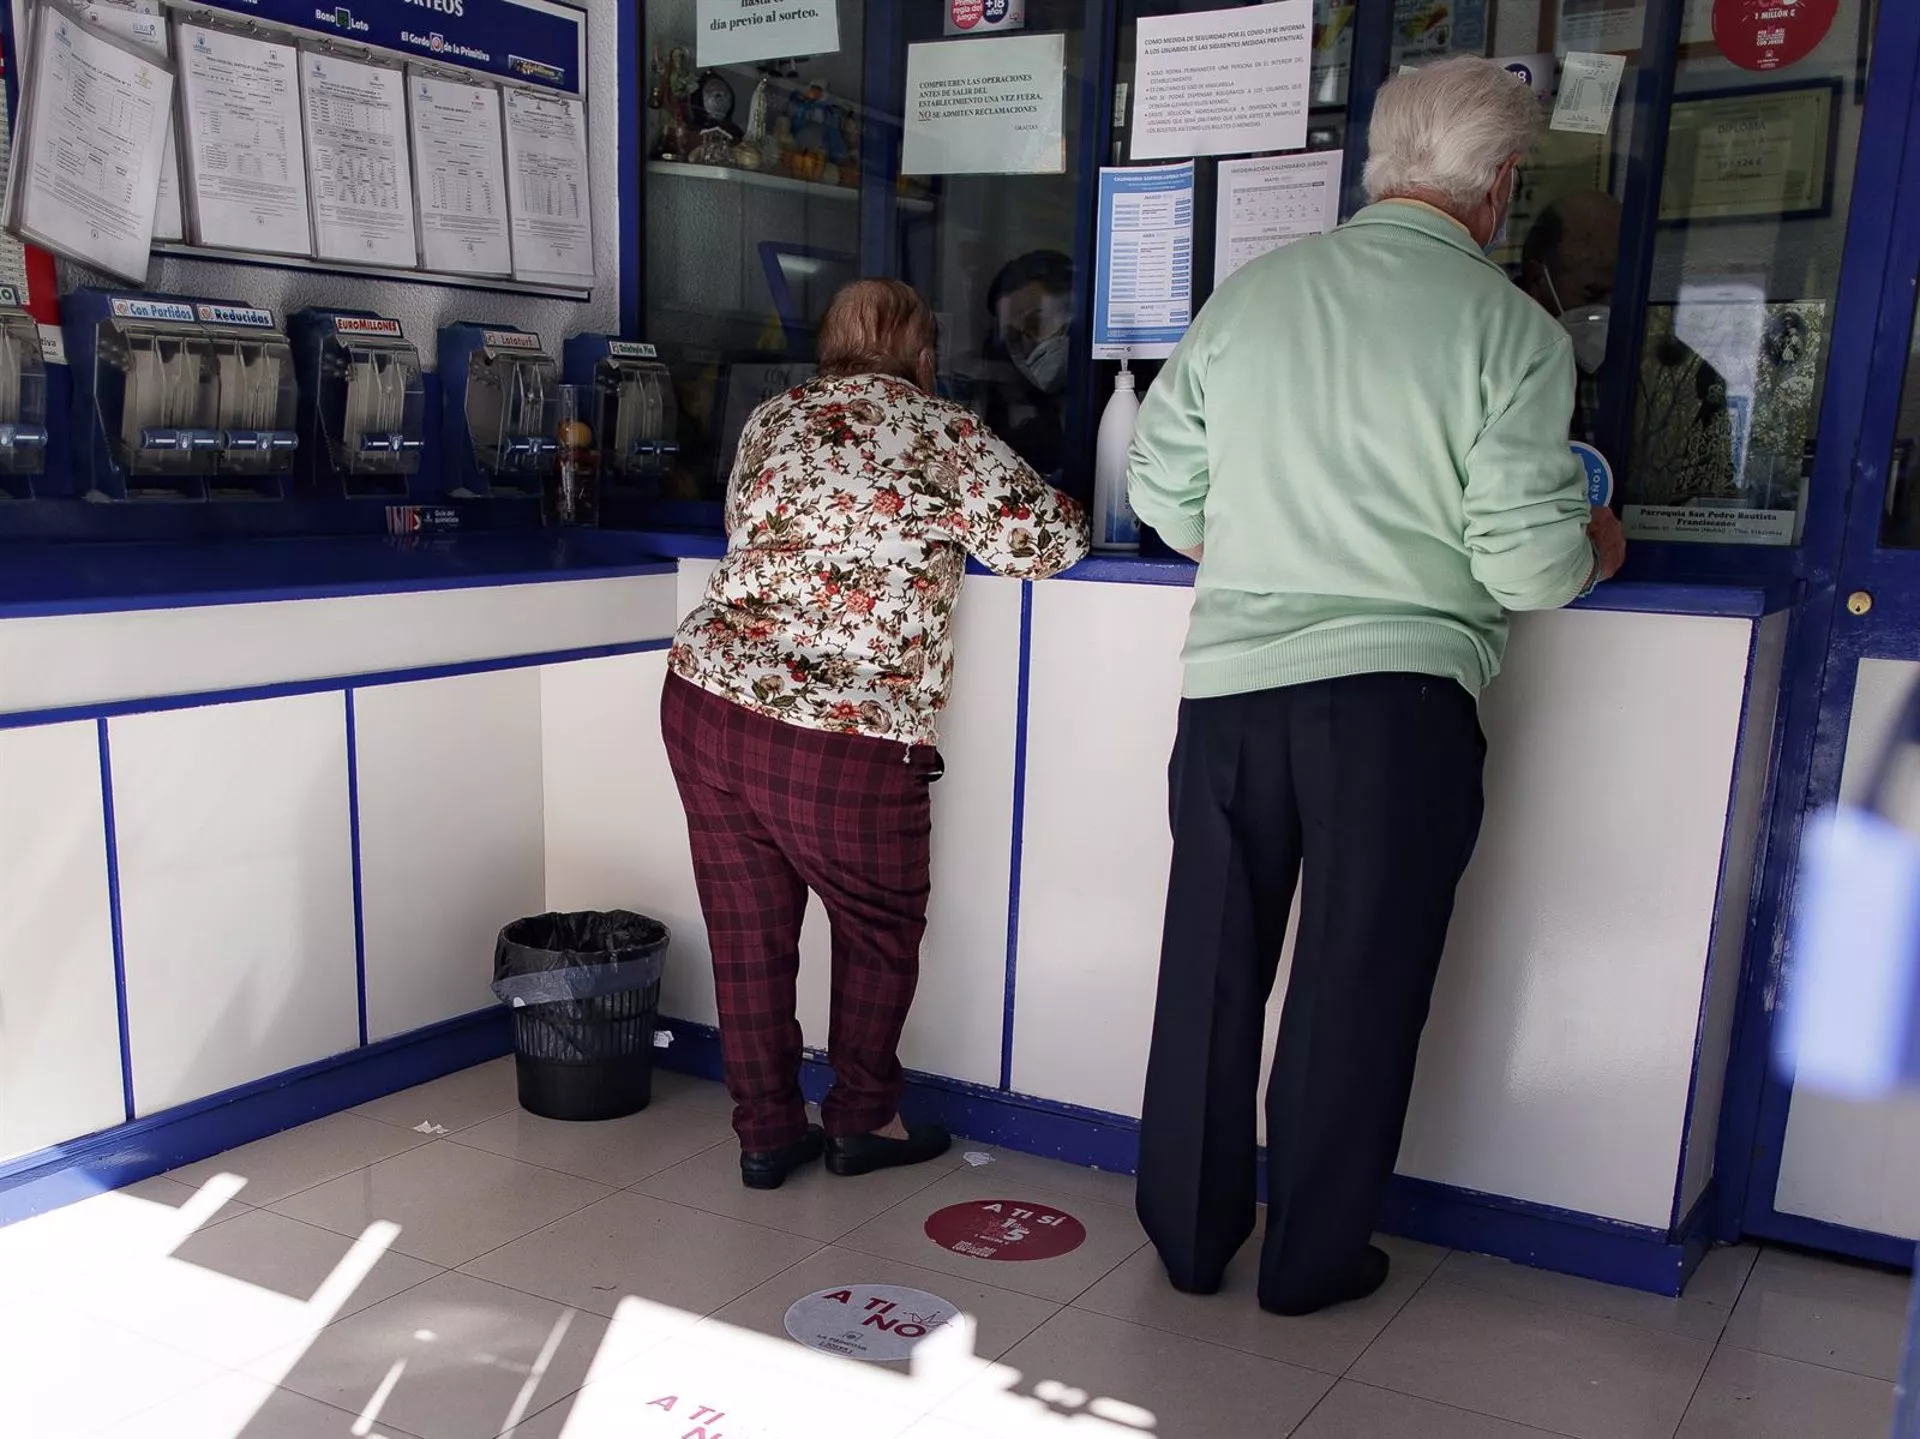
<point x="1599" y="474"/>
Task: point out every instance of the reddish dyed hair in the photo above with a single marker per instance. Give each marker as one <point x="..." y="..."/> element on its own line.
<point x="878" y="327"/>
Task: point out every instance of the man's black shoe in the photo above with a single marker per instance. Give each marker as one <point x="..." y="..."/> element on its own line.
<point x="864" y="1153"/>
<point x="769" y="1168"/>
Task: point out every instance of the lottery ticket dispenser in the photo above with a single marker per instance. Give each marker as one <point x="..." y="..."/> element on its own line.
<point x="146" y="395"/>
<point x="257" y="402"/>
<point x="362" y="410"/>
<point x="497" y="410"/>
<point x="635" y="420"/>
<point x="23" y="399"/>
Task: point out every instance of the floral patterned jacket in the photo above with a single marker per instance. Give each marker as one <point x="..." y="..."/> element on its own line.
<point x="854" y="504"/>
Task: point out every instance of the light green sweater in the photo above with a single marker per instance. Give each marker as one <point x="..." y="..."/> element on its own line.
<point x="1368" y="430"/>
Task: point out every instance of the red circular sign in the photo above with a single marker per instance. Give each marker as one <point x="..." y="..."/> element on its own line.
<point x="1766" y="34"/>
<point x="966" y="13"/>
<point x="1005" y="1229"/>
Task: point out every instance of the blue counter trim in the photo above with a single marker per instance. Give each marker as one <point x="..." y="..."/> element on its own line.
<point x="1607" y="1250"/>
<point x="38" y="580"/>
<point x="241" y="694"/>
<point x="112" y="840"/>
<point x="1024" y="691"/>
<point x="198" y="1130"/>
<point x="1623" y="596"/>
<point x="353" y="843"/>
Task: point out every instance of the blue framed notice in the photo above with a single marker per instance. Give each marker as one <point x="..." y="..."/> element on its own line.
<point x="1143" y="282"/>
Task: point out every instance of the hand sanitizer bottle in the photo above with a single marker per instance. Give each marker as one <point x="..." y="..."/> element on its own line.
<point x="1114" y="527"/>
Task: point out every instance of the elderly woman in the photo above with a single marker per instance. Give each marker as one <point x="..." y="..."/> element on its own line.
<point x="1383" y="418"/>
<point x="801" y="707"/>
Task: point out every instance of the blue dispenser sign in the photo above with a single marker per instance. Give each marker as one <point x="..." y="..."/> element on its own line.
<point x="1598" y="472"/>
<point x="1143" y="285"/>
<point x="535" y="41"/>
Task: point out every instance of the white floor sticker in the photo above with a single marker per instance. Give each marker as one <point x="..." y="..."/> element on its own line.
<point x="877" y="1322"/>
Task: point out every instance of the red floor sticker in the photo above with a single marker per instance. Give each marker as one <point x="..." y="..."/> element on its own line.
<point x="876" y="1322"/>
<point x="1006" y="1229"/>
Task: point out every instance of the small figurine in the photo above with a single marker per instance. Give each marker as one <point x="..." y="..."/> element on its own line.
<point x="713" y="105"/>
<point x="817" y="141"/>
<point x="672" y="87"/>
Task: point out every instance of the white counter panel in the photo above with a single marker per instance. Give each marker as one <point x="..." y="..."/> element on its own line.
<point x="452" y="836"/>
<point x="616" y="835"/>
<point x="59" y="1031"/>
<point x="1557" y="1064"/>
<point x="1857" y="1164"/>
<point x="1557" y="1060"/>
<point x="140" y="654"/>
<point x="958" y="1012"/>
<point x="236" y="892"/>
<point x="1104" y="692"/>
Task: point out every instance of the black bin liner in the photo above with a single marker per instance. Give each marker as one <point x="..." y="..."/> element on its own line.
<point x="585" y="991"/>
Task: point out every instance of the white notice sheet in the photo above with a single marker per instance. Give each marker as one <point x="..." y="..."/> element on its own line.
<point x="1223" y="82"/>
<point x="246" y="165"/>
<point x="1268" y="203"/>
<point x="986" y="107"/>
<point x="356" y="122"/>
<point x="93" y="138"/>
<point x="551" y="208"/>
<point x="461" y="176"/>
<point x="141" y="22"/>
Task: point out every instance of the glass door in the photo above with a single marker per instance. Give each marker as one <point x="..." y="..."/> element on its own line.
<point x="1833" y="1174"/>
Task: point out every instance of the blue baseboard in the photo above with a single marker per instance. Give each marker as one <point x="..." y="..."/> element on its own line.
<point x="158" y="1142"/>
<point x="1527" y="1233"/>
<point x="1828" y="1238"/>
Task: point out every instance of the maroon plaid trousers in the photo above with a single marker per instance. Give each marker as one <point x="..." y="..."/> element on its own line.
<point x="774" y="810"/>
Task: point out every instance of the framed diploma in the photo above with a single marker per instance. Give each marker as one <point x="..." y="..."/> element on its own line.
<point x="1764" y="153"/>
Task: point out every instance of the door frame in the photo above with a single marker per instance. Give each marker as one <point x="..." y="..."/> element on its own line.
<point x="1873" y="323"/>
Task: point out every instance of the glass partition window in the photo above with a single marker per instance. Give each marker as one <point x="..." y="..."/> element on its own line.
<point x="996" y="255"/>
<point x="752" y="220"/>
<point x="1562" y="240"/>
<point x="1900" y="520"/>
<point x="771" y="183"/>
<point x="1752" y="223"/>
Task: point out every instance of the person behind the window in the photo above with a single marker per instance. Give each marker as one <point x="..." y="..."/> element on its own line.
<point x="801" y="706"/>
<point x="1566" y="263"/>
<point x="1363" y="439"/>
<point x="1030" y="304"/>
<point x="1683" y="429"/>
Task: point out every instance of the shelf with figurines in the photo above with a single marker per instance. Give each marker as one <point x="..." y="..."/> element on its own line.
<point x="796" y="137"/>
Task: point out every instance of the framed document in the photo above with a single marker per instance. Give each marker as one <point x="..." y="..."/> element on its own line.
<point x="1616" y="26"/>
<point x="1765" y="153"/>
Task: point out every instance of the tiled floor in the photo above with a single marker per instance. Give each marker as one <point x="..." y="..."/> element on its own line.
<point x="360" y="1278"/>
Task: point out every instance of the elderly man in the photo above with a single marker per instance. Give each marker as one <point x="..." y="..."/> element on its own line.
<point x="1366" y="433"/>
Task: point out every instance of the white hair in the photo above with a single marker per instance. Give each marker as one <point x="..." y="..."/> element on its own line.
<point x="1447" y="128"/>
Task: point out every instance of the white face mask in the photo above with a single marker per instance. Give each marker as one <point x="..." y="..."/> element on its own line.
<point x="1586" y="326"/>
<point x="1045" y="366"/>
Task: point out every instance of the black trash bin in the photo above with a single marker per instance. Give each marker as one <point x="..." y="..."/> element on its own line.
<point x="585" y="991"/>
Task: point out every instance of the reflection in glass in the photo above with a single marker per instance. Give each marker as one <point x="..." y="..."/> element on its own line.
<point x="1900" y="521"/>
<point x="1753" y="214"/>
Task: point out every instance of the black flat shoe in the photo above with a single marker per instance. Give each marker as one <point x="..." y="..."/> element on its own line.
<point x="864" y="1153"/>
<point x="1370" y="1276"/>
<point x="769" y="1168"/>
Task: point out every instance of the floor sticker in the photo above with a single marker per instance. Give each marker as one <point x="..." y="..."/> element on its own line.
<point x="875" y="1322"/>
<point x="1007" y="1229"/>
